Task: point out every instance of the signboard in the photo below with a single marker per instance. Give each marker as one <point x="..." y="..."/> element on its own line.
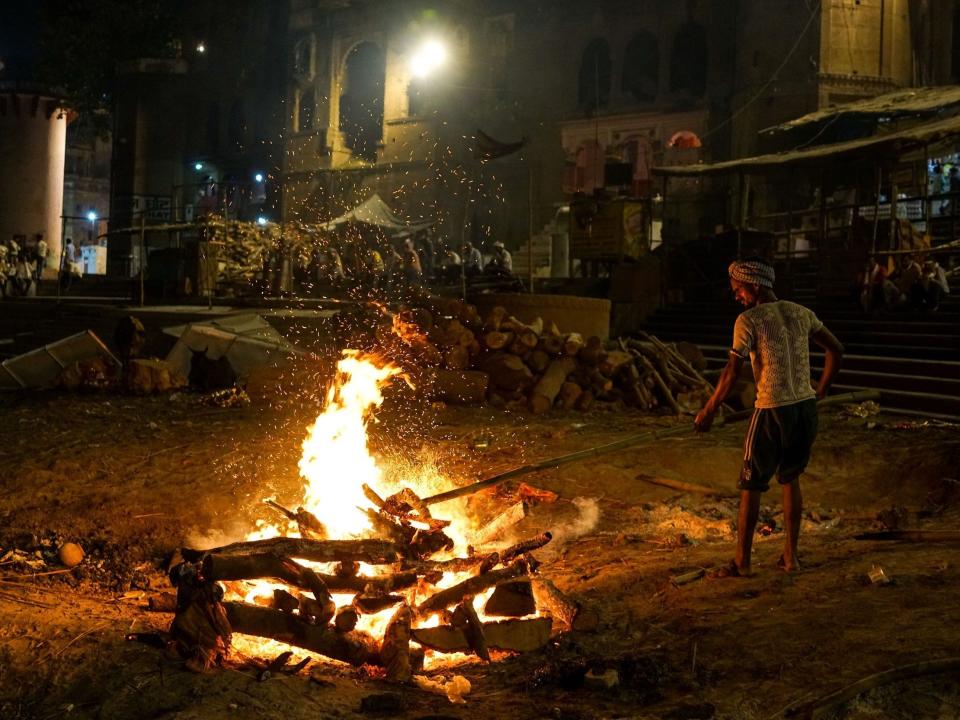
<point x="157" y="207"/>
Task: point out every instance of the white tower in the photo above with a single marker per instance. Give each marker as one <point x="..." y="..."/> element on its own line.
<point x="33" y="140"/>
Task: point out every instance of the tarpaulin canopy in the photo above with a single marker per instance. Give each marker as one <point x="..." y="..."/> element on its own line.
<point x="374" y="211"/>
<point x="248" y="341"/>
<point x="41" y="367"/>
<point x="916" y="102"/>
<point x="889" y="143"/>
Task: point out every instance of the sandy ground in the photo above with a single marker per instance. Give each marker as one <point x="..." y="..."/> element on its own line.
<point x="132" y="479"/>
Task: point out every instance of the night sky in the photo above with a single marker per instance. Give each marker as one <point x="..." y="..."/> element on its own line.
<point x="19" y="28"/>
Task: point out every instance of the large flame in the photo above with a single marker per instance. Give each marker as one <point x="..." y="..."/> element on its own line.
<point x="336" y="461"/>
<point x="335" y="464"/>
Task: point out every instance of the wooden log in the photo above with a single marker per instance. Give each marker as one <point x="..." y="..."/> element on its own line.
<point x="552" y="345"/>
<point x="374" y="552"/>
<point x="569" y="393"/>
<point x="495" y="319"/>
<point x="470" y="587"/>
<point x="547" y="389"/>
<point x="500" y="524"/>
<point x="591" y="353"/>
<point x="346" y="619"/>
<point x="454" y="565"/>
<point x="465" y="617"/>
<point x="585" y="401"/>
<point x="354" y="647"/>
<point x="457" y="358"/>
<point x="222" y="568"/>
<point x="615" y="361"/>
<point x="497" y="340"/>
<point x="514" y="635"/>
<point x="395" y="648"/>
<point x="507" y="372"/>
<point x="284" y="601"/>
<point x="600" y="383"/>
<point x="665" y="393"/>
<point x="307" y="522"/>
<point x="327" y="607"/>
<point x="538" y="361"/>
<point x="372" y="604"/>
<point x="511" y="600"/>
<point x="688" y="487"/>
<point x="554" y="603"/>
<point x="523" y="547"/>
<point x="572" y="344"/>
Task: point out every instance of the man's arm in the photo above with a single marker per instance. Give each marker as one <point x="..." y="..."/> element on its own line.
<point x="728" y="377"/>
<point x="831" y="364"/>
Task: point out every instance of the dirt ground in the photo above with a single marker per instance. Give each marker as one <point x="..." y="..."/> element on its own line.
<point x="131" y="479"/>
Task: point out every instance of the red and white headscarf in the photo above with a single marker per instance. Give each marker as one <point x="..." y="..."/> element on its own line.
<point x="754" y="272"/>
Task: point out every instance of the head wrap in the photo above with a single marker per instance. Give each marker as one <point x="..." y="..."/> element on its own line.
<point x="755" y="272"/>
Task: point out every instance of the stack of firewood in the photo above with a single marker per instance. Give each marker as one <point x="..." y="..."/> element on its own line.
<point x="303" y="613"/>
<point x="508" y="362"/>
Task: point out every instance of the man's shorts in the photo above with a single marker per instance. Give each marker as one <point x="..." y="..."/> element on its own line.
<point x="778" y="443"/>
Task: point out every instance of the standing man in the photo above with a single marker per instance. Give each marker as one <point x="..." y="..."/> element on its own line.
<point x="41" y="251"/>
<point x="775" y="335"/>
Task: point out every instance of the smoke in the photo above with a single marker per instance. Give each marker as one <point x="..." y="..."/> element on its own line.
<point x="588" y="515"/>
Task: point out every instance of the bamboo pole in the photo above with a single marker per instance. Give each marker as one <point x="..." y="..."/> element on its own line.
<point x="649" y="436"/>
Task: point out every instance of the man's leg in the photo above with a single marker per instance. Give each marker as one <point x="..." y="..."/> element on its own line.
<point x="792" y="515"/>
<point x="746" y="528"/>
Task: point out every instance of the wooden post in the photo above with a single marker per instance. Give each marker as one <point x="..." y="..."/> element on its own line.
<point x="143" y="253"/>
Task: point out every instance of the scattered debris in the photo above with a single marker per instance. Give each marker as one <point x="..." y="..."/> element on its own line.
<point x="71" y="554"/>
<point x="454" y="689"/>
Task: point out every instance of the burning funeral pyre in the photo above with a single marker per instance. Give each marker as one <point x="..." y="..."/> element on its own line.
<point x="362" y="572"/>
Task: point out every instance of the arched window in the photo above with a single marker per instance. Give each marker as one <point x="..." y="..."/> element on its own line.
<point x="688" y="60"/>
<point x="238" y="125"/>
<point x="306" y="110"/>
<point x="641" y="67"/>
<point x="595" y="74"/>
<point x="361" y="104"/>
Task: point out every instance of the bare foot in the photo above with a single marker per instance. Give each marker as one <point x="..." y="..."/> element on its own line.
<point x="730" y="569"/>
<point x="792" y="566"/>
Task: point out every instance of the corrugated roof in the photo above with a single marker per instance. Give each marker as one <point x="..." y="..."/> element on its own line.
<point x="892" y="142"/>
<point x="919" y="102"/>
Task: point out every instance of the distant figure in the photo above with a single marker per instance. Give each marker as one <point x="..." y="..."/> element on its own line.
<point x="472" y="260"/>
<point x="427" y="251"/>
<point x="775" y="336"/>
<point x="412" y="269"/>
<point x="68" y="265"/>
<point x="934" y="284"/>
<point x="41" y="251"/>
<point x="4" y="262"/>
<point x="501" y="259"/>
<point x="908" y="283"/>
<point x="23" y="273"/>
<point x="877" y="292"/>
<point x="449" y="265"/>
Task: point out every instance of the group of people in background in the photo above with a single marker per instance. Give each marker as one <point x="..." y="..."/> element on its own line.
<point x="21" y="266"/>
<point x="417" y="260"/>
<point x="915" y="283"/>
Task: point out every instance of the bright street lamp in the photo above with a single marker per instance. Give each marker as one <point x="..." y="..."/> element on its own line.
<point x="261" y="220"/>
<point x="198" y="166"/>
<point x="428" y="57"/>
<point x="258" y="177"/>
<point x="92" y="216"/>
